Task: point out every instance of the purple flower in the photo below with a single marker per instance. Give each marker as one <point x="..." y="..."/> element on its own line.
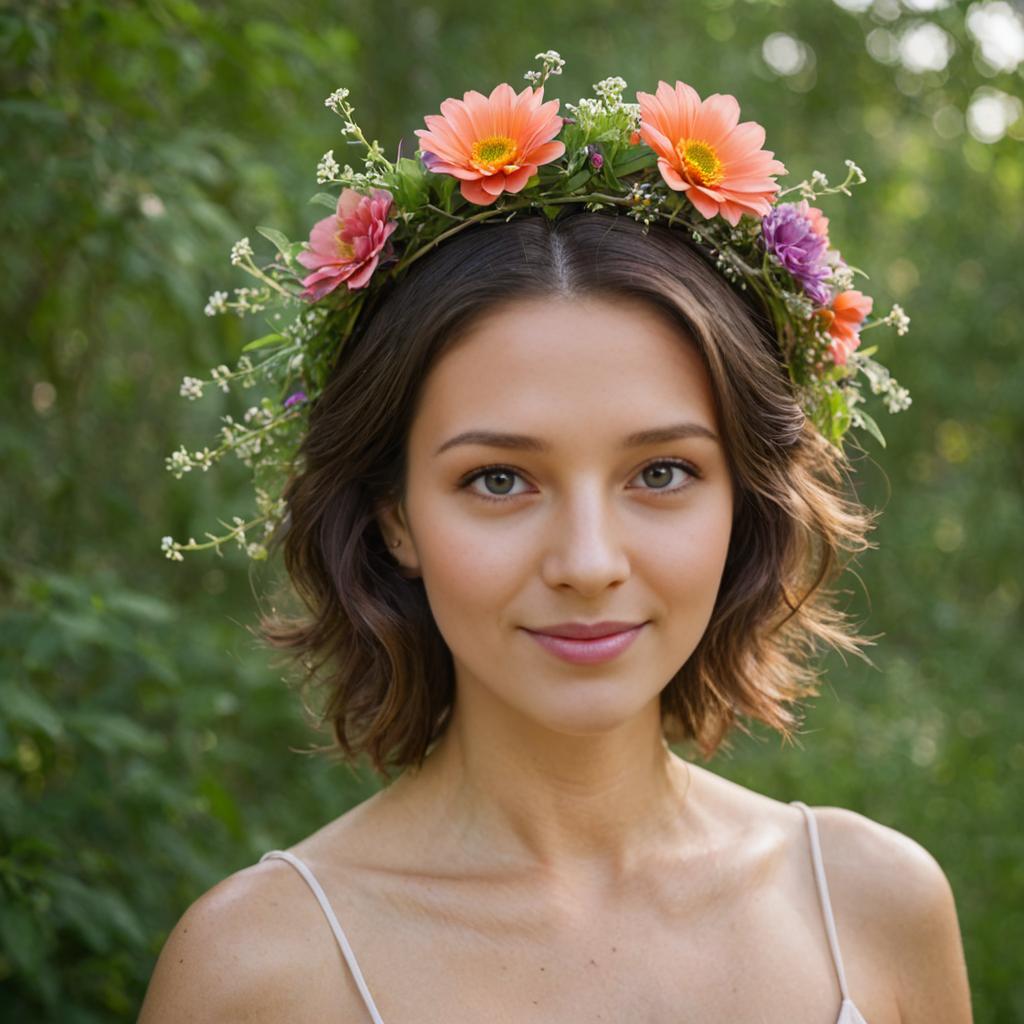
<point x="789" y="235"/>
<point x="295" y="399"/>
<point x="596" y="160"/>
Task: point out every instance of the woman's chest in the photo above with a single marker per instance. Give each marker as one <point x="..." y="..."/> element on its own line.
<point x="761" y="957"/>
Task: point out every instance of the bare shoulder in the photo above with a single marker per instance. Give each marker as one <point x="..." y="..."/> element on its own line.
<point x="256" y="948"/>
<point x="893" y="891"/>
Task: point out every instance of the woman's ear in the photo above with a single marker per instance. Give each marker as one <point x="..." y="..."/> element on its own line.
<point x="391" y="520"/>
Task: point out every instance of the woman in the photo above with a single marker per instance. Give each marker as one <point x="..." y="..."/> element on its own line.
<point x="553" y="429"/>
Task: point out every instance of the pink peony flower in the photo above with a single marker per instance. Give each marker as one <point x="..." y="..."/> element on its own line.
<point x="849" y="310"/>
<point x="819" y="222"/>
<point x="704" y="152"/>
<point x="347" y="245"/>
<point x="492" y="144"/>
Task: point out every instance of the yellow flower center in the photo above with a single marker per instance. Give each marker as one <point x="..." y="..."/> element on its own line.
<point x="700" y="162"/>
<point x="346" y="250"/>
<point x="495" y="153"/>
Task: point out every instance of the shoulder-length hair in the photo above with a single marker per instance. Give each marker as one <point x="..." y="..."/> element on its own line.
<point x="367" y="636"/>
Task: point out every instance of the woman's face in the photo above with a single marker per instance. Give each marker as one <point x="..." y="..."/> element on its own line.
<point x="569" y="515"/>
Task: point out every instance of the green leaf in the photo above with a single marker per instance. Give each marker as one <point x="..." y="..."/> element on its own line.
<point x="280" y="240"/>
<point x="410" y="183"/>
<point x="100" y="916"/>
<point x="25" y="938"/>
<point x="264" y="342"/>
<point x="114" y="734"/>
<point x="325" y="199"/>
<point x="579" y="179"/>
<point x="141" y="607"/>
<point x="444" y="184"/>
<point x="637" y="163"/>
<point x="222" y="805"/>
<point x="872" y="428"/>
<point x="576" y="161"/>
<point x="30" y="711"/>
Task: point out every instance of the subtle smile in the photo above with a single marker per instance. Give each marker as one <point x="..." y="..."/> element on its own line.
<point x="587" y="651"/>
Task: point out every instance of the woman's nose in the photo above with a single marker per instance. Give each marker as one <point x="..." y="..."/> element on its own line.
<point x="583" y="545"/>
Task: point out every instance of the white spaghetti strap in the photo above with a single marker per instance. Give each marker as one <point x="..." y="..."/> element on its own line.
<point x="332" y="920"/>
<point x="826" y="905"/>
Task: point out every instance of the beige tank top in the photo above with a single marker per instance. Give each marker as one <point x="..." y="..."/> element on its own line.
<point x="848" y="1012"/>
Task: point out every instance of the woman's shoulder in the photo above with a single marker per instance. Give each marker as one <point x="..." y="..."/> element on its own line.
<point x="865" y="859"/>
<point x="882" y="883"/>
<point x="887" y="888"/>
<point x="861" y="855"/>
<point x="252" y="948"/>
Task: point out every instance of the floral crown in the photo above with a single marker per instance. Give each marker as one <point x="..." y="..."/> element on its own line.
<point x="671" y="157"/>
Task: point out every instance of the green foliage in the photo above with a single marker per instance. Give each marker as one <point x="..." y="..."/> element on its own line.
<point x="146" y="747"/>
<point x="133" y="775"/>
<point x="411" y="188"/>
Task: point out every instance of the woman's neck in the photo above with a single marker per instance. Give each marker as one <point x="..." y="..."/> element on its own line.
<point x="502" y="790"/>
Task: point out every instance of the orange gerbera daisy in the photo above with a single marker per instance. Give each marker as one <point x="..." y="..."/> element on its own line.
<point x="704" y="152"/>
<point x="849" y="310"/>
<point x="492" y="144"/>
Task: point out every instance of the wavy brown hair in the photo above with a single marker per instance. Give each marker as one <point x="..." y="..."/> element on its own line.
<point x="367" y="636"/>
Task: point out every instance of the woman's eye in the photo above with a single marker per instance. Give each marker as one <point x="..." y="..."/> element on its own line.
<point x="501" y="475"/>
<point x="658" y="476"/>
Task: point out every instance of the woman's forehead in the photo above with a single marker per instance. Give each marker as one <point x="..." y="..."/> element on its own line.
<point x="564" y="361"/>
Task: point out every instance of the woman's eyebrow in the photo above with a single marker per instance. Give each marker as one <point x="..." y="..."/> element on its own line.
<point x="524" y="442"/>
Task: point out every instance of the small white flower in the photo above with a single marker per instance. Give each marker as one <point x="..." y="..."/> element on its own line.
<point x="170" y="548"/>
<point x="800" y="306"/>
<point x="552" y="64"/>
<point x="609" y="91"/>
<point x="203" y="459"/>
<point x="336" y="100"/>
<point x="859" y="178"/>
<point x="328" y="169"/>
<point x="221" y="375"/>
<point x="552" y="61"/>
<point x="818" y="180"/>
<point x="217" y="303"/>
<point x="898" y="318"/>
<point x="246" y="368"/>
<point x="191" y="388"/>
<point x="897" y="399"/>
<point x="240" y="251"/>
<point x="245" y="301"/>
<point x="179" y="462"/>
<point x="842" y="277"/>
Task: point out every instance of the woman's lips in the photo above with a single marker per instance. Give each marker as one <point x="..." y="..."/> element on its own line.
<point x="588" y="652"/>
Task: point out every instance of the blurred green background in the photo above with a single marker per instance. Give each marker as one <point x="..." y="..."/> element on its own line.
<point x="148" y="746"/>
